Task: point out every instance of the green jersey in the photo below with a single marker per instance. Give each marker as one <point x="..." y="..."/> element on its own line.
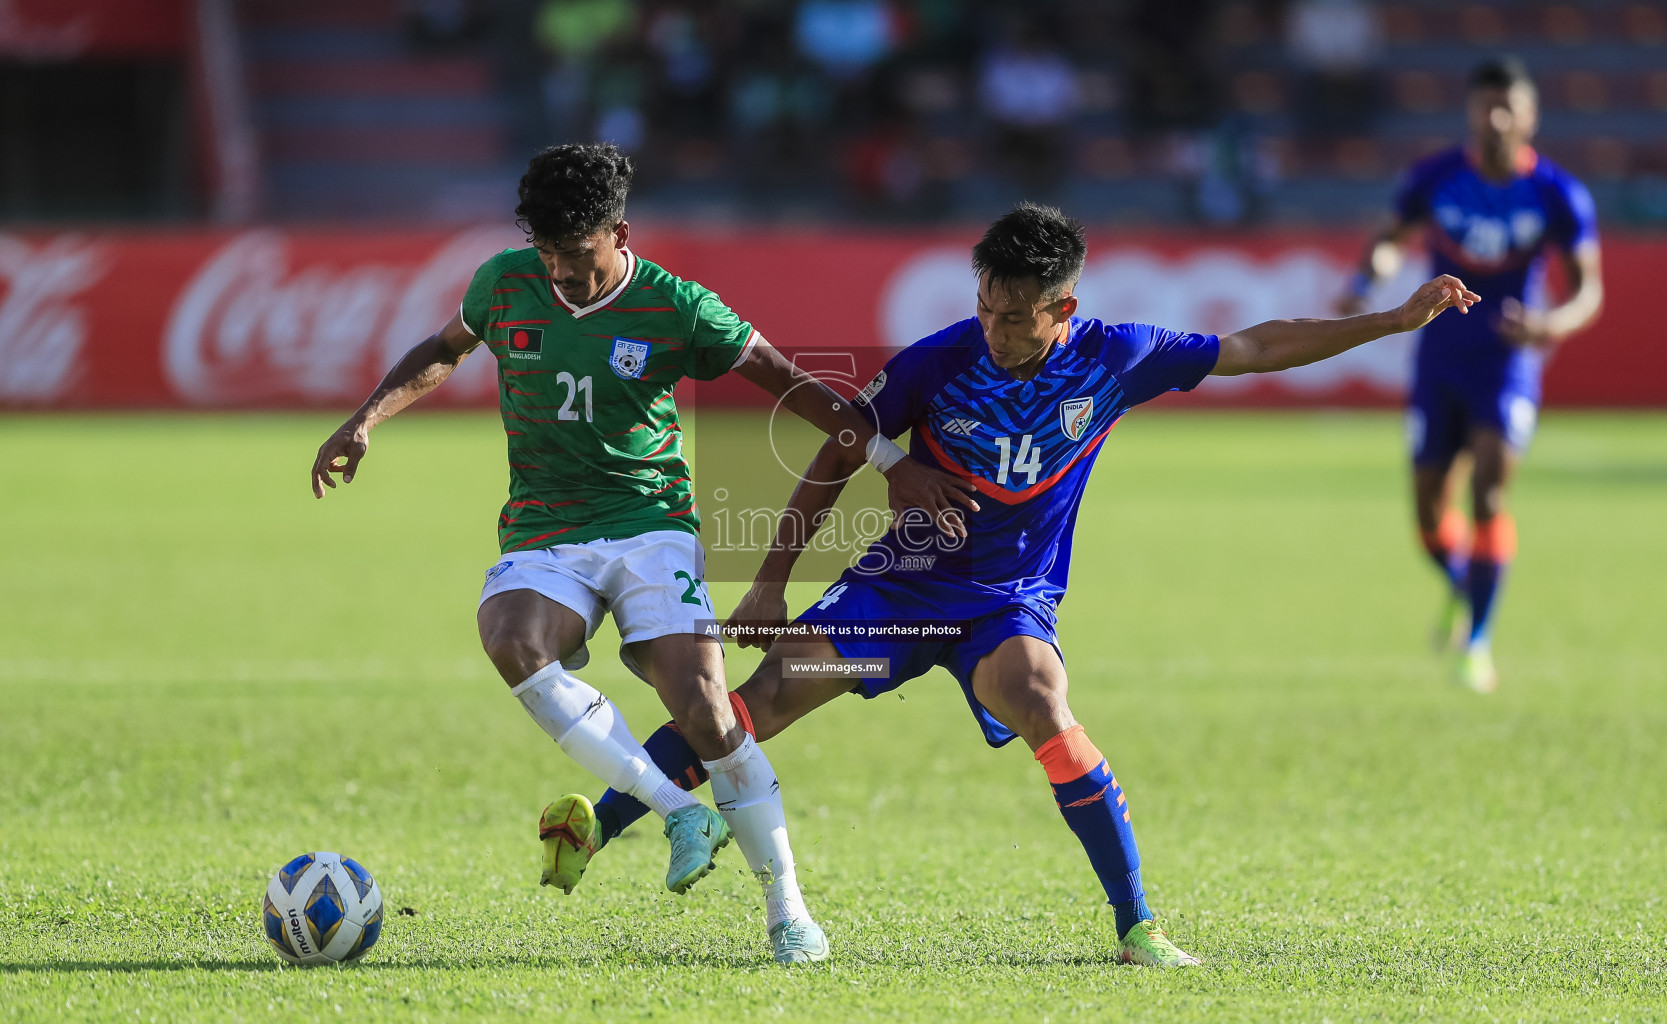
<point x="595" y="449"/>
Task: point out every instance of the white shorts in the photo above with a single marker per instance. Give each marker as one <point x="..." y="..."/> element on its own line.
<point x="654" y="583"/>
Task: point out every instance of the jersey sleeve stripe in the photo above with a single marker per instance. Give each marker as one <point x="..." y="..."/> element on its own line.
<point x="465" y="321"/>
<point x="752" y="339"/>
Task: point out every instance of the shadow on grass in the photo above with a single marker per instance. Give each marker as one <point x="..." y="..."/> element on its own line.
<point x="702" y="961"/>
<point x="146" y="966"/>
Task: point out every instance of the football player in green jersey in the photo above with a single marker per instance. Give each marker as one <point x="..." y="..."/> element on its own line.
<point x="590" y="340"/>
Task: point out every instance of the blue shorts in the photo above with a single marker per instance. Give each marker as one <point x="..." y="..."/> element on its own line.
<point x="1450" y="398"/>
<point x="858" y="597"/>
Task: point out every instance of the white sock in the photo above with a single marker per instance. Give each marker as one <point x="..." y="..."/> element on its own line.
<point x="745" y="789"/>
<point x="591" y="731"/>
<point x="666" y="799"/>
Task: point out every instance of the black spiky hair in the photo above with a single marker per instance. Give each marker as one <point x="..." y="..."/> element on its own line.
<point x="1032" y="240"/>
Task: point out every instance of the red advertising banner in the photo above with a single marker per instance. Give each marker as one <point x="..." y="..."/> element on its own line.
<point x="72" y="29"/>
<point x="272" y="318"/>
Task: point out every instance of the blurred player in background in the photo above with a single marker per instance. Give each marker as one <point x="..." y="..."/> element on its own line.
<point x="1492" y="211"/>
<point x="1016" y="402"/>
<point x="601" y="516"/>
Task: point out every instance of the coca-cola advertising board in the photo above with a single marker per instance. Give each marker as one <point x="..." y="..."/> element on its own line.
<point x="79" y="29"/>
<point x="270" y="318"/>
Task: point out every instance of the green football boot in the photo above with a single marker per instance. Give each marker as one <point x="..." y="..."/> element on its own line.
<point x="1148" y="947"/>
<point x="697" y="833"/>
<point x="798" y="942"/>
<point x="568" y="830"/>
<point x="1475" y="669"/>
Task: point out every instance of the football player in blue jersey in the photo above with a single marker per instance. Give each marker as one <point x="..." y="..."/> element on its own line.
<point x="1015" y="402"/>
<point x="1493" y="211"/>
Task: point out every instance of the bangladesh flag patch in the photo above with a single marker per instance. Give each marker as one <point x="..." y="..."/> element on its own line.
<point x="526" y="343"/>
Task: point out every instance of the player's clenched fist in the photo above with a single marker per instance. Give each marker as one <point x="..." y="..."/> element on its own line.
<point x="1433" y="297"/>
<point x="347" y="445"/>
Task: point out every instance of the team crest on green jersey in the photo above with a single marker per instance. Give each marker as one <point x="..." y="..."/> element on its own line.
<point x="629" y="358"/>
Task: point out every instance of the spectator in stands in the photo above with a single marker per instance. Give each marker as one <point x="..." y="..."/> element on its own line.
<point x="1334" y="45"/>
<point x="779" y="109"/>
<point x="1171" y="86"/>
<point x="686" y="72"/>
<point x="441" y="23"/>
<point x="845" y="37"/>
<point x="1029" y="91"/>
<point x="572" y="33"/>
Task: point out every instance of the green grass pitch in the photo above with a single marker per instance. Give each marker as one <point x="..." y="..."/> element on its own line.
<point x="204" y="672"/>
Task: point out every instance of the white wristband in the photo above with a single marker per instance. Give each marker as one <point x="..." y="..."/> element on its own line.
<point x="884" y="453"/>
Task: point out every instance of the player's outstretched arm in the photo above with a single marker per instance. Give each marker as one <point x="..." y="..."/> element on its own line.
<point x="1282" y="344"/>
<point x="1545" y="329"/>
<point x="908" y="483"/>
<point x="818" y="489"/>
<point x="418" y="372"/>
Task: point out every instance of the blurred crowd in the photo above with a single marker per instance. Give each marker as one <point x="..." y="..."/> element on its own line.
<point x="901" y="106"/>
<point x="891" y="102"/>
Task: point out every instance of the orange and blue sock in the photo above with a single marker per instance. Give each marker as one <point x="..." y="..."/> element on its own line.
<point x="671" y="753"/>
<point x="1448" y="546"/>
<point x="1491" y="553"/>
<point x="1093" y="805"/>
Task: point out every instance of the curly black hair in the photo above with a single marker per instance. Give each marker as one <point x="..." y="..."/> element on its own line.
<point x="573" y="191"/>
<point x="1033" y="241"/>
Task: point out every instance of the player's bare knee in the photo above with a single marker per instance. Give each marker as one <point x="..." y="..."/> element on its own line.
<point x="1041" y="717"/>
<point x="514" y="652"/>
<point x="700" y="707"/>
<point x="712" y="732"/>
<point x="1036" y="699"/>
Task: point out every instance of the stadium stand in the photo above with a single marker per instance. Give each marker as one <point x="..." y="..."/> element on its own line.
<point x="1220" y="112"/>
<point x="361" y="115"/>
<point x="361" y="156"/>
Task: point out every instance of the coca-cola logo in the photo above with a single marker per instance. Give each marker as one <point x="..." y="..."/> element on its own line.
<point x="24" y="33"/>
<point x="1210" y="291"/>
<point x="42" y="331"/>
<point x="251" y="327"/>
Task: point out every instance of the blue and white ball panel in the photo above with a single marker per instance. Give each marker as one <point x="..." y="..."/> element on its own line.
<point x="322" y="908"/>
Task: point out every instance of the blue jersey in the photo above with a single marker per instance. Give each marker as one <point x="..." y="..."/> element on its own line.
<point x="1027" y="446"/>
<point x="1495" y="238"/>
